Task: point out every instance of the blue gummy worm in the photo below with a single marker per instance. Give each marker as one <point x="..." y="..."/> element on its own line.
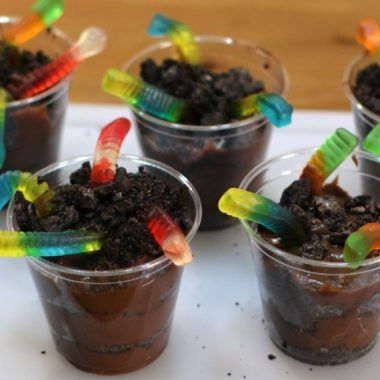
<point x="276" y="109"/>
<point x="160" y="25"/>
<point x="49" y="244"/>
<point x="8" y="184"/>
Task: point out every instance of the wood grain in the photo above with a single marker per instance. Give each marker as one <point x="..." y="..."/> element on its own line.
<point x="314" y="40"/>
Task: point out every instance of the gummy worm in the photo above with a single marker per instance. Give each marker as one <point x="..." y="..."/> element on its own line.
<point x="143" y="95"/>
<point x="328" y="157"/>
<point x="368" y="34"/>
<point x="33" y="190"/>
<point x="44" y="14"/>
<point x="180" y="34"/>
<point x="169" y="237"/>
<point x="371" y="143"/>
<point x="244" y="204"/>
<point x="274" y="107"/>
<point x="91" y="42"/>
<point x="107" y="151"/>
<point x="45" y="244"/>
<point x="360" y="243"/>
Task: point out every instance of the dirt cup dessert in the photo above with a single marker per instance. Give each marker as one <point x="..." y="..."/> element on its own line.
<point x="362" y="81"/>
<point x="35" y="69"/>
<point x="187" y="98"/>
<point x="316" y="249"/>
<point x="112" y="241"/>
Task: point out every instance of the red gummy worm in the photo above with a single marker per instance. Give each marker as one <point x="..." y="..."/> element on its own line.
<point x="169" y="237"/>
<point x="107" y="151"/>
<point x="161" y="225"/>
<point x="44" y="77"/>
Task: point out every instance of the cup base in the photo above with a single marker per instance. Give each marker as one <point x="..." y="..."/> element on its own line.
<point x="127" y="367"/>
<point x="337" y="356"/>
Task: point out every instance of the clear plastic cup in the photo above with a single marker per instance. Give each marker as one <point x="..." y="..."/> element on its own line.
<point x="317" y="312"/>
<point x="33" y="126"/>
<point x="217" y="156"/>
<point x="114" y="321"/>
<point x="364" y="119"/>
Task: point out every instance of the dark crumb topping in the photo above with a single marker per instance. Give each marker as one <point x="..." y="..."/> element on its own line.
<point x="119" y="209"/>
<point x="329" y="218"/>
<point x="14" y="63"/>
<point x="367" y="87"/>
<point x="209" y="95"/>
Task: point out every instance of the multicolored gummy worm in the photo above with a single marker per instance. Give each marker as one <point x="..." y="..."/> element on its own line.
<point x="371" y="143"/>
<point x="44" y="14"/>
<point x="143" y="96"/>
<point x="328" y="157"/>
<point x="360" y="243"/>
<point x="169" y="237"/>
<point x="244" y="204"/>
<point x="274" y="107"/>
<point x="107" y="151"/>
<point x="3" y="107"/>
<point x="33" y="190"/>
<point x="91" y="42"/>
<point x="48" y="244"/>
<point x="368" y="34"/>
<point x="180" y="35"/>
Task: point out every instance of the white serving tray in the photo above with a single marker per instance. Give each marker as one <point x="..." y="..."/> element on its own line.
<point x="218" y="331"/>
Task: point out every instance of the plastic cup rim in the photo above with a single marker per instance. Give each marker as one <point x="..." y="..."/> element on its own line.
<point x="149" y="266"/>
<point x="280" y="253"/>
<point x="258" y="118"/>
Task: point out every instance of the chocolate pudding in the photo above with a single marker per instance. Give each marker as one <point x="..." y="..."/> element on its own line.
<point x="112" y="328"/>
<point x="33" y="132"/>
<point x="312" y="314"/>
<point x="212" y="163"/>
<point x="208" y="145"/>
<point x="111" y="311"/>
<point x="32" y="126"/>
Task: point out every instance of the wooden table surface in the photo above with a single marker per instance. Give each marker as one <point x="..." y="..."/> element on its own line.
<point x="314" y="40"/>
